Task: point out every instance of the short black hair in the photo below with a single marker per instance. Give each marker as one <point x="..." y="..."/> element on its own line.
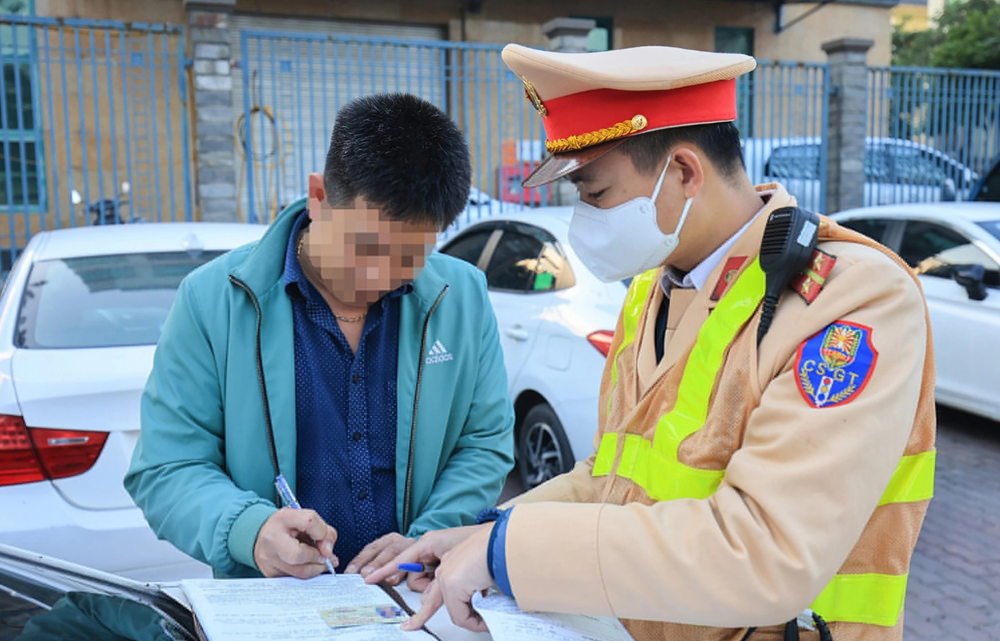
<point x="401" y="154"/>
<point x="719" y="141"/>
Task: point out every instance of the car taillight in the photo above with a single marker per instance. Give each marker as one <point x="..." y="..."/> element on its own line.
<point x="29" y="454"/>
<point x="601" y="339"/>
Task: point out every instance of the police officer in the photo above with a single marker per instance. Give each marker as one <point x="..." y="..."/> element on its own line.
<point x="735" y="486"/>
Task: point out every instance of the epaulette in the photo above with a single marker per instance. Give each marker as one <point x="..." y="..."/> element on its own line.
<point x="809" y="283"/>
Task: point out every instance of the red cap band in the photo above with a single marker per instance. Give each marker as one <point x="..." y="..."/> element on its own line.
<point x="589" y="111"/>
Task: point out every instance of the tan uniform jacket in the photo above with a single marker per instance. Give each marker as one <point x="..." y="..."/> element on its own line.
<point x="801" y="483"/>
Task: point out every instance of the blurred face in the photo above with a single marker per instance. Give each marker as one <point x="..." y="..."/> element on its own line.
<point x="360" y="254"/>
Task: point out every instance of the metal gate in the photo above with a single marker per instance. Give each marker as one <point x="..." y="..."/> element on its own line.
<point x="932" y="133"/>
<point x="783" y="118"/>
<point x="94" y="118"/>
<point x="294" y="83"/>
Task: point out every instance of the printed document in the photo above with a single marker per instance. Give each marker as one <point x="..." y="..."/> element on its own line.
<point x="339" y="607"/>
<point x="508" y="623"/>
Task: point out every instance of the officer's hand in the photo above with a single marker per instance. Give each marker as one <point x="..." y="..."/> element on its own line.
<point x="294" y="543"/>
<point x="378" y="553"/>
<point x="429" y="550"/>
<point x="462" y="573"/>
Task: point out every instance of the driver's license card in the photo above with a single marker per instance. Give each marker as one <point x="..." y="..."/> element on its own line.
<point x="363" y="615"/>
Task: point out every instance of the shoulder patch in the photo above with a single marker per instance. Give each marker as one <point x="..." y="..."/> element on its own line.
<point x="810" y="281"/>
<point x="834" y="365"/>
<point x="728" y="276"/>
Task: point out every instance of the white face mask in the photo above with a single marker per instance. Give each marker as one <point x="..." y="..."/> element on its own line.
<point x="625" y="240"/>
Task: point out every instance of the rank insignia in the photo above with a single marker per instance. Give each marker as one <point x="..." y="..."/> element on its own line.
<point x="728" y="276"/>
<point x="532" y="96"/>
<point x="810" y="281"/>
<point x="834" y="365"/>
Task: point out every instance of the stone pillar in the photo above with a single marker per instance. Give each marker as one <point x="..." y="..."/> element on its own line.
<point x="213" y="101"/>
<point x="845" y="170"/>
<point x="567" y="35"/>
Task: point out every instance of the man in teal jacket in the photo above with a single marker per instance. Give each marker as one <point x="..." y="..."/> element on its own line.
<point x="338" y="353"/>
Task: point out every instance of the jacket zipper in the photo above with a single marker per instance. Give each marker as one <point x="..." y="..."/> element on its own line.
<point x="413" y="424"/>
<point x="260" y="377"/>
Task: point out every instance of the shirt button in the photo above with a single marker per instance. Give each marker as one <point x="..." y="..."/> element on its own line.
<point x="356" y="436"/>
<point x="356" y="378"/>
<point x="362" y="495"/>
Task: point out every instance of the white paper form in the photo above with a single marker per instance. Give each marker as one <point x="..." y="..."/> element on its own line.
<point x="286" y="608"/>
<point x="508" y="623"/>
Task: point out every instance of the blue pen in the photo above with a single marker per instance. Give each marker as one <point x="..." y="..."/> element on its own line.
<point x="416" y="567"/>
<point x="289" y="500"/>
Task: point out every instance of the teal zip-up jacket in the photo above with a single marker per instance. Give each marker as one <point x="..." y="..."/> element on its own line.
<point x="203" y="470"/>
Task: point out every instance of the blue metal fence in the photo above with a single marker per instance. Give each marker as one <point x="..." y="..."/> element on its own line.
<point x="93" y="126"/>
<point x="931" y="133"/>
<point x="290" y="86"/>
<point x="783" y="115"/>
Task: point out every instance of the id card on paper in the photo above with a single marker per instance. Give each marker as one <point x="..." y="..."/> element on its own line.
<point x="349" y="616"/>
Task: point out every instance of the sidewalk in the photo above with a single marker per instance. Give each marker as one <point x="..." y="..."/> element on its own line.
<point x="954" y="586"/>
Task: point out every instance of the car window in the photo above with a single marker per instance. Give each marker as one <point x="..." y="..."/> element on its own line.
<point x="468" y="247"/>
<point x="992" y="226"/>
<point x="936" y="250"/>
<point x="552" y="270"/>
<point x="989" y="190"/>
<point x="913" y="166"/>
<point x="514" y="261"/>
<point x="874" y="228"/>
<point x="101" y="301"/>
<point x="794" y="161"/>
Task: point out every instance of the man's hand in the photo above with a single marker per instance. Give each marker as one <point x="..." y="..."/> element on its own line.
<point x="461" y="555"/>
<point x="294" y="543"/>
<point x="378" y="553"/>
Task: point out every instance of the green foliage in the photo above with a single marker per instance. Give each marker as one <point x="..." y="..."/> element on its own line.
<point x="913" y="48"/>
<point x="966" y="35"/>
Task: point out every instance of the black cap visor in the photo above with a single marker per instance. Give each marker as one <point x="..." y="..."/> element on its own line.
<point x="557" y="166"/>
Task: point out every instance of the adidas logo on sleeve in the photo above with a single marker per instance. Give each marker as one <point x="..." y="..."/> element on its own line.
<point x="438" y="354"/>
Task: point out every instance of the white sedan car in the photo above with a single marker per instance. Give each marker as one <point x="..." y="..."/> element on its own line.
<point x="955" y="249"/>
<point x="556" y="320"/>
<point x="80" y="315"/>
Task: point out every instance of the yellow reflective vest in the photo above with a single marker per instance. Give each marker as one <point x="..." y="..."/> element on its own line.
<point x="718" y="499"/>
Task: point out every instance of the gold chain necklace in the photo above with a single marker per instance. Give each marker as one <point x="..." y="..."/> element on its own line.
<point x="346" y="319"/>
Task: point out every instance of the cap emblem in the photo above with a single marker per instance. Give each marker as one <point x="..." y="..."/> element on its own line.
<point x="532" y="95"/>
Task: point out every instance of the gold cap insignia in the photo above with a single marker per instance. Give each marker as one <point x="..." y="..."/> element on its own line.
<point x="532" y="96"/>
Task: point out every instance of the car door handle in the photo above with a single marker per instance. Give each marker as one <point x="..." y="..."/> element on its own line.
<point x="516" y="332"/>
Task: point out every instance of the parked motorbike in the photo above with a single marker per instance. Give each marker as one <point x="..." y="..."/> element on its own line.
<point x="105" y="211"/>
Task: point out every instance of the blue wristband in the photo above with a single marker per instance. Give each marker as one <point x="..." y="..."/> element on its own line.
<point x="496" y="552"/>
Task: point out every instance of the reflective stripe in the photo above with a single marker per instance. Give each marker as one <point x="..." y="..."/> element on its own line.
<point x="606" y="453"/>
<point x="663" y="478"/>
<point x="876" y="599"/>
<point x="703" y="365"/>
<point x="655" y="467"/>
<point x="638" y="291"/>
<point x="912" y="481"/>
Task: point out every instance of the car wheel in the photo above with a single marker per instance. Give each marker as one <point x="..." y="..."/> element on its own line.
<point x="542" y="449"/>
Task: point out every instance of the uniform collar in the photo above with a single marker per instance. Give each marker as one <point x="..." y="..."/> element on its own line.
<point x="698" y="276"/>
